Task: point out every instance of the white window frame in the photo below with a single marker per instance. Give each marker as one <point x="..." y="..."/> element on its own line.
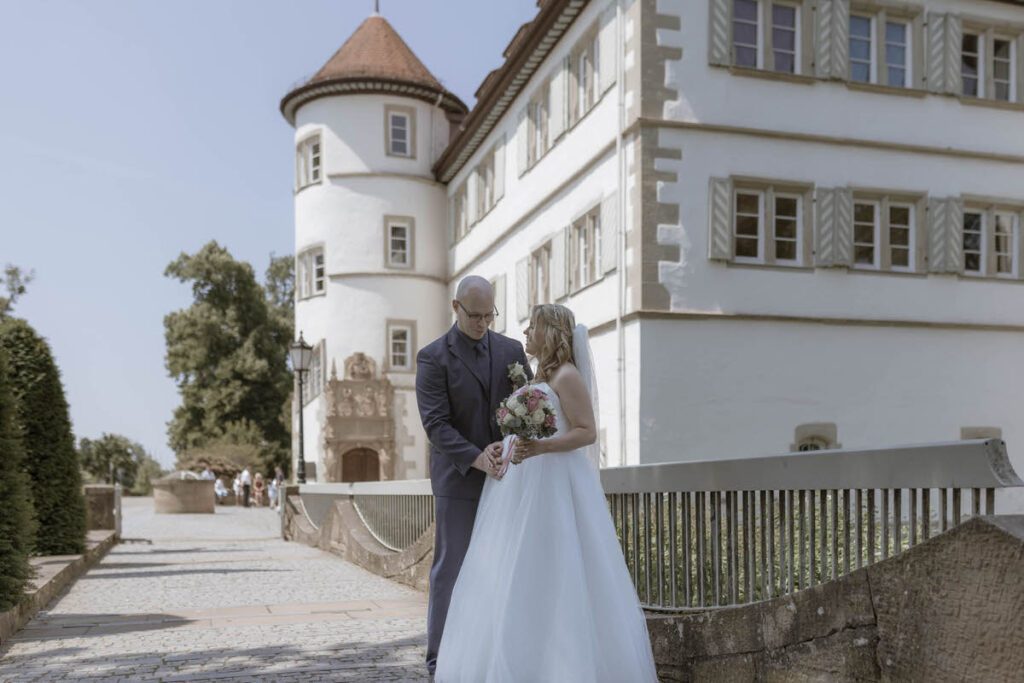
<point x="485" y="177"/>
<point x="310" y="273"/>
<point x="461" y="210"/>
<point x="309" y="161"/>
<point x="585" y="250"/>
<point x="875" y="245"/>
<point x="979" y="90"/>
<point x="539" y="128"/>
<point x="407" y="224"/>
<point x="540" y="275"/>
<point x="1014" y="243"/>
<point x="872" y="47"/>
<point x="911" y="246"/>
<point x="982" y="243"/>
<point x="798" y="241"/>
<point x="758" y="33"/>
<point x="908" y="48"/>
<point x="760" y="194"/>
<point x="313" y="383"/>
<point x="319" y="273"/>
<point x="408" y="115"/>
<point x="409" y="329"/>
<point x="797" y="33"/>
<point x="1012" y="83"/>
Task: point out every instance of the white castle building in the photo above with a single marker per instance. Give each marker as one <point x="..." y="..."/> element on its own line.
<point x="789" y="224"/>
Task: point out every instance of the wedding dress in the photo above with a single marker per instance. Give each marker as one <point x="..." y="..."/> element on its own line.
<point x="544" y="593"/>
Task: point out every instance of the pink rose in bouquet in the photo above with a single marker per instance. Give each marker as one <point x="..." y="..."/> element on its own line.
<point x="529" y="414"/>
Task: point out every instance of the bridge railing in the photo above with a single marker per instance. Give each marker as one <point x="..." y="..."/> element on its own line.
<point x="704" y="534"/>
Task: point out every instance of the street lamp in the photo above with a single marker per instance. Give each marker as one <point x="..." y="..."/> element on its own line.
<point x="301" y="354"/>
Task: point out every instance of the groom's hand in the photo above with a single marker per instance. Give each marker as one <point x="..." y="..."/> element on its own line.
<point x="488" y="462"/>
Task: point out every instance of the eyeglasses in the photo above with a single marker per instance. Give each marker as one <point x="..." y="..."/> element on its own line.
<point x="479" y="317"/>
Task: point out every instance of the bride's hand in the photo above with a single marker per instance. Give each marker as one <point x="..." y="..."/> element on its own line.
<point x="526" y="448"/>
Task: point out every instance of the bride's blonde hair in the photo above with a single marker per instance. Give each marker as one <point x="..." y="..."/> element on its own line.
<point x="556" y="344"/>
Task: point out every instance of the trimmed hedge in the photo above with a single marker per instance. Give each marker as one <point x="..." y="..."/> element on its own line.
<point x="17" y="524"/>
<point x="50" y="456"/>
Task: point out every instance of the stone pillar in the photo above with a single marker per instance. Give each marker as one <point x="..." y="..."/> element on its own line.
<point x="100" y="507"/>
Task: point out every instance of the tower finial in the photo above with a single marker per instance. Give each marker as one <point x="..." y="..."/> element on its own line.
<point x="376" y="6"/>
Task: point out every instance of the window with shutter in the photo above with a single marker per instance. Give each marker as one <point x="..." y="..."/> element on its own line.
<point x="862" y="62"/>
<point x="500" y="303"/>
<point x="972" y="65"/>
<point x="540" y="272"/>
<point x="523" y="289"/>
<point x="585" y="246"/>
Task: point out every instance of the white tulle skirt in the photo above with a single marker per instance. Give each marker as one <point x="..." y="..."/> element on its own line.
<point x="544" y="593"/>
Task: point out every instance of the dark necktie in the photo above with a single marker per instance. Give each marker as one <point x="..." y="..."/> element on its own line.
<point x="483" y="364"/>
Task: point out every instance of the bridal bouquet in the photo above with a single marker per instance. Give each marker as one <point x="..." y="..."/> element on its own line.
<point x="526" y="414"/>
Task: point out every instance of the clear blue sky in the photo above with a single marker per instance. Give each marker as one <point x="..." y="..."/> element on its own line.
<point x="131" y="131"/>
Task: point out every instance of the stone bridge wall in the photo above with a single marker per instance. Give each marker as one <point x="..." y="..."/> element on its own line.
<point x="950" y="608"/>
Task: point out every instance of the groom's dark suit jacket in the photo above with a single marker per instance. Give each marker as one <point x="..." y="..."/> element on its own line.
<point x="456" y="410"/>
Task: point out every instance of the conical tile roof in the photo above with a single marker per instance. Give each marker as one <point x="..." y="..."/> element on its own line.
<point x="373" y="59"/>
<point x="376" y="50"/>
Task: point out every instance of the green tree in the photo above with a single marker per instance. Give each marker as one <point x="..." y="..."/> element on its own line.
<point x="17" y="524"/>
<point x="149" y="470"/>
<point x="110" y="457"/>
<point x="14" y="281"/>
<point x="50" y="456"/>
<point x="227" y="355"/>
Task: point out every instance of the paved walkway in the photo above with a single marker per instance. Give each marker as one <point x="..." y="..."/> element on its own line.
<point x="221" y="597"/>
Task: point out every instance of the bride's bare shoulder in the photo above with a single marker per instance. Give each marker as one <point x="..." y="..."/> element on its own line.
<point x="566" y="372"/>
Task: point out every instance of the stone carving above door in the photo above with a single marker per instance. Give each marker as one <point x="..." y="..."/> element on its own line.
<point x="359" y="416"/>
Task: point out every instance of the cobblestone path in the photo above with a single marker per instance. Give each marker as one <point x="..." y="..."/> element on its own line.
<point x="221" y="597"/>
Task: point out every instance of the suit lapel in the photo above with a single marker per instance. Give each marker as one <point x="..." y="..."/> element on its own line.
<point x="456" y="349"/>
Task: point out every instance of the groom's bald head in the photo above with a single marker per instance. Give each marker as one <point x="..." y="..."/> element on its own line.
<point x="473" y="285"/>
<point x="474" y="297"/>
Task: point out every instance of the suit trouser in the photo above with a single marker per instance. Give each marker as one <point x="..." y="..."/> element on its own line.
<point x="453" y="525"/>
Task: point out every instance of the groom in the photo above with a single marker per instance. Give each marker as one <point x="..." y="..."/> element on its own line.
<point x="461" y="378"/>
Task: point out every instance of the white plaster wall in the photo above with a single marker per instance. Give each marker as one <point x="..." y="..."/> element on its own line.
<point x="725" y="389"/>
<point x="347" y="216"/>
<point x="580" y="144"/>
<point x="711" y="94"/>
<point x="354" y="138"/>
<point x="698" y="284"/>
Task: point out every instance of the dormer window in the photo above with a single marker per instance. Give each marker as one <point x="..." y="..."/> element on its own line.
<point x="401" y="131"/>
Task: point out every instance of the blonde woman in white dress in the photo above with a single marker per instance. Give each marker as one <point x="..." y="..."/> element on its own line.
<point x="544" y="593"/>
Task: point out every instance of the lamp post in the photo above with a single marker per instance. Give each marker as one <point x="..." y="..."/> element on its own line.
<point x="300" y="353"/>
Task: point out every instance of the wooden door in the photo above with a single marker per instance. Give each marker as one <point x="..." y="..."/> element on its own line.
<point x="360" y="464"/>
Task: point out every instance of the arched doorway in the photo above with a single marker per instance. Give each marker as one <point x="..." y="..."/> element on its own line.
<point x="360" y="464"/>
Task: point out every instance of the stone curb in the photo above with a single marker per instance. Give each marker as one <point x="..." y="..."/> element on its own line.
<point x="98" y="543"/>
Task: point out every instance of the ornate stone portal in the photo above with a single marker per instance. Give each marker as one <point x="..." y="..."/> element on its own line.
<point x="359" y="429"/>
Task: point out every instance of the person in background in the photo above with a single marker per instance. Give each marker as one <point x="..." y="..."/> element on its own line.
<point x="219" y="490"/>
<point x="238" y="489"/>
<point x="258" y="487"/>
<point x="246" y="486"/>
<point x="207" y="474"/>
<point x="272" y="491"/>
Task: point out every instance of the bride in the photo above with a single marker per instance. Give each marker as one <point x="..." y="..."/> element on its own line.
<point x="544" y="593"/>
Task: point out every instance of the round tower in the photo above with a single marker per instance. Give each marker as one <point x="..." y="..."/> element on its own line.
<point x="370" y="245"/>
